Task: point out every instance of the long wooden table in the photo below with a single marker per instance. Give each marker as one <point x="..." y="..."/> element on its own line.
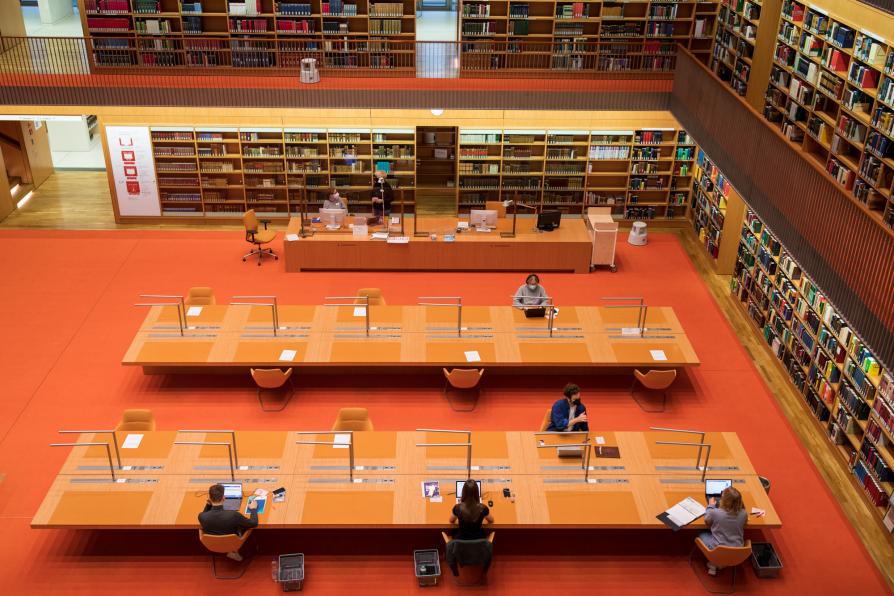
<point x="401" y="336"/>
<point x="166" y="484"/>
<point x="567" y="248"/>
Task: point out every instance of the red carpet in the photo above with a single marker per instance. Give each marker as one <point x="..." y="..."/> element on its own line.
<point x="66" y="318"/>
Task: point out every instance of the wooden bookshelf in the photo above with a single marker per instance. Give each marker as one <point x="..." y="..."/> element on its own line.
<point x="734" y="42"/>
<point x="251" y="33"/>
<point x="717" y="211"/>
<point x="831" y="91"/>
<point x="845" y="390"/>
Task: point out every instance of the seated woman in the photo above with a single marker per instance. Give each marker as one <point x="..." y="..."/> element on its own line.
<point x="727" y="521"/>
<point x="470" y="513"/>
<point x="530" y="294"/>
<point x="334" y="200"/>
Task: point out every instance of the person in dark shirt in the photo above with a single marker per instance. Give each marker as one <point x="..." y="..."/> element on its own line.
<point x="217" y="521"/>
<point x="381" y="197"/>
<point x="470" y="513"/>
<point x="568" y="413"/>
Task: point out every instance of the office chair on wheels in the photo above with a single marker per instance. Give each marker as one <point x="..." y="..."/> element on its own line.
<point x="258" y="237"/>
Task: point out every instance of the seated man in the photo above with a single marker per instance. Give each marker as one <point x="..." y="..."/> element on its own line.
<point x="568" y="413"/>
<point x="218" y="521"/>
<point x="530" y="294"/>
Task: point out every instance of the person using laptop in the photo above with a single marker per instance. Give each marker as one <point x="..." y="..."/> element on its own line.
<point x="726" y="519"/>
<point x="568" y="413"/>
<point x="217" y="520"/>
<point x="530" y="294"/>
<point x="334" y="200"/>
<point x="470" y="513"/>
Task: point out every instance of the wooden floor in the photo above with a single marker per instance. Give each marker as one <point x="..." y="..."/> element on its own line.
<point x="82" y="201"/>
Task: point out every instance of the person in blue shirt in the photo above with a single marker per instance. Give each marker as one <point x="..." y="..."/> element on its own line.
<point x="568" y="413"/>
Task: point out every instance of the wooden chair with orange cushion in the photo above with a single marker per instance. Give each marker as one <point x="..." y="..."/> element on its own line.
<point x="258" y="237"/>
<point x="375" y="296"/>
<point x="654" y="381"/>
<point x="547" y="419"/>
<point x="355" y="419"/>
<point x="221" y="545"/>
<point x="200" y="297"/>
<point x="470" y="575"/>
<point x="496" y="206"/>
<point x="466" y="380"/>
<point x="136" y="420"/>
<point x="271" y="379"/>
<point x="721" y="557"/>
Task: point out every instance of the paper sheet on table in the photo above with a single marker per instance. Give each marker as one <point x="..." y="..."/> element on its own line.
<point x="380" y="235"/>
<point x="630" y="330"/>
<point x="288" y="355"/>
<point x="342" y="441"/>
<point x="473" y="356"/>
<point x="398" y="240"/>
<point x="600" y="440"/>
<point x="292" y="237"/>
<point x="132" y="441"/>
<point x="686" y="511"/>
<point x="193" y="311"/>
<point x="359" y="311"/>
<point x="658" y="354"/>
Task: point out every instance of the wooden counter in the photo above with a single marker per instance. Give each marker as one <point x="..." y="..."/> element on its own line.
<point x="566" y="249"/>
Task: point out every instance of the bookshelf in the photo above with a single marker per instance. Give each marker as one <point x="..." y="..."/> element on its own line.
<point x="734" y="42"/>
<point x="831" y="92"/>
<point x="716" y="212"/>
<point x="250" y="33"/>
<point x="844" y="388"/>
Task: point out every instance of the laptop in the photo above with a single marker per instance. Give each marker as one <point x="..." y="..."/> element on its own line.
<point x="459" y="489"/>
<point x="232" y="497"/>
<point x="713" y="488"/>
<point x="535" y="313"/>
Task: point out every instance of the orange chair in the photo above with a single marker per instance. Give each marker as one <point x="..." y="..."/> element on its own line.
<point x="721" y="557"/>
<point x="547" y="419"/>
<point x="470" y="575"/>
<point x="496" y="206"/>
<point x="464" y="379"/>
<point x="200" y="297"/>
<point x="221" y="545"/>
<point x="272" y="379"/>
<point x="375" y="296"/>
<point x="258" y="237"/>
<point x="135" y="420"/>
<point x="356" y="419"/>
<point x="654" y="380"/>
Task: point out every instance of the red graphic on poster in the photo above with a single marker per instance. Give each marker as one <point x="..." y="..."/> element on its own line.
<point x="125" y="141"/>
<point x="133" y="187"/>
<point x="128" y="156"/>
<point x="130" y="171"/>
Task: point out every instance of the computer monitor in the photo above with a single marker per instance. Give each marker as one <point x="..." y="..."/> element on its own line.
<point x="459" y="489"/>
<point x="483" y="218"/>
<point x="333" y="217"/>
<point x="549" y="220"/>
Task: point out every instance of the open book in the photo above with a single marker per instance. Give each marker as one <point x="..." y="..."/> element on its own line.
<point x="685" y="512"/>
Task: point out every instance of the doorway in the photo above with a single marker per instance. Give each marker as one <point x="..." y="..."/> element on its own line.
<point x="437" y="54"/>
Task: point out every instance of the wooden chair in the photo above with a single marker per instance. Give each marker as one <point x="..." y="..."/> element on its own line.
<point x="375" y="296"/>
<point x="464" y="379"/>
<point x="496" y="206"/>
<point x="136" y="420"/>
<point x="470" y="575"/>
<point x="356" y="419"/>
<point x="200" y="297"/>
<point x="721" y="557"/>
<point x="654" y="380"/>
<point x="221" y="545"/>
<point x="272" y="379"/>
<point x="258" y="237"/>
<point x="547" y="420"/>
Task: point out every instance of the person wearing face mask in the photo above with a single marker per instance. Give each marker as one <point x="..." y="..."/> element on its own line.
<point x="381" y="197"/>
<point x="530" y="293"/>
<point x="334" y="201"/>
<point x="568" y="413"/>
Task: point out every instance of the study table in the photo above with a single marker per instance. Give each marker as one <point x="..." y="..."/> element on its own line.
<point x="238" y="337"/>
<point x="164" y="486"/>
<point x="567" y="248"/>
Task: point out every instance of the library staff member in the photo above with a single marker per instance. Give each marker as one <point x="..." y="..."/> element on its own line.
<point x="218" y="521"/>
<point x="382" y="196"/>
<point x="334" y="200"/>
<point x="727" y="522"/>
<point x="568" y="413"/>
<point x="530" y="293"/>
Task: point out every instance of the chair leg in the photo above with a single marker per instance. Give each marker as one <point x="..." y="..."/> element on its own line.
<point x="289" y="393"/>
<point x="642" y="407"/>
<point x="467" y="409"/>
<point x="260" y="252"/>
<point x="699" y="574"/>
<point x="242" y="568"/>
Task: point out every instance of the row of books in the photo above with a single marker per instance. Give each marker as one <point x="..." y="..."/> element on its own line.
<point x="339" y="8"/>
<point x="293" y="9"/>
<point x="576" y="10"/>
<point x="387" y="9"/>
<point x="103" y="24"/>
<point x="385" y="26"/>
<point x="476" y="10"/>
<point x="285" y="26"/>
<point x="248" y="25"/>
<point x="107" y="6"/>
<point x="875" y="462"/>
<point x="147" y="6"/>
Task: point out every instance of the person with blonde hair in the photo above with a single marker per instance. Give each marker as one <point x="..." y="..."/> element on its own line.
<point x="727" y="522"/>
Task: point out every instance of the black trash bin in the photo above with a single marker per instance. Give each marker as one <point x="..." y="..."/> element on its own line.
<point x="764" y="559"/>
<point x="288" y="571"/>
<point x="428" y="566"/>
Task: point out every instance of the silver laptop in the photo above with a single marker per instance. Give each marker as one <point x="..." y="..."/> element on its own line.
<point x="459" y="489"/>
<point x="232" y="497"/>
<point x="713" y="488"/>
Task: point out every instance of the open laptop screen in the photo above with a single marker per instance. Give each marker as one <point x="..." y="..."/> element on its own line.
<point x="459" y="488"/>
<point x="232" y="491"/>
<point x="715" y="487"/>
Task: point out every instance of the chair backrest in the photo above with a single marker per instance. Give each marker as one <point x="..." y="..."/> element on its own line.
<point x="133" y="420"/>
<point x="375" y="296"/>
<point x="725" y="556"/>
<point x="463" y="378"/>
<point x="224" y="543"/>
<point x="200" y="297"/>
<point x="250" y="221"/>
<point x="656" y="379"/>
<point x="356" y="419"/>
<point x="496" y="206"/>
<point x="271" y="378"/>
<point x="469" y="575"/>
<point x="547" y="419"/>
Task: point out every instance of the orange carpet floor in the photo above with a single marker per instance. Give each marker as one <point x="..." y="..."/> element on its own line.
<point x="67" y="317"/>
